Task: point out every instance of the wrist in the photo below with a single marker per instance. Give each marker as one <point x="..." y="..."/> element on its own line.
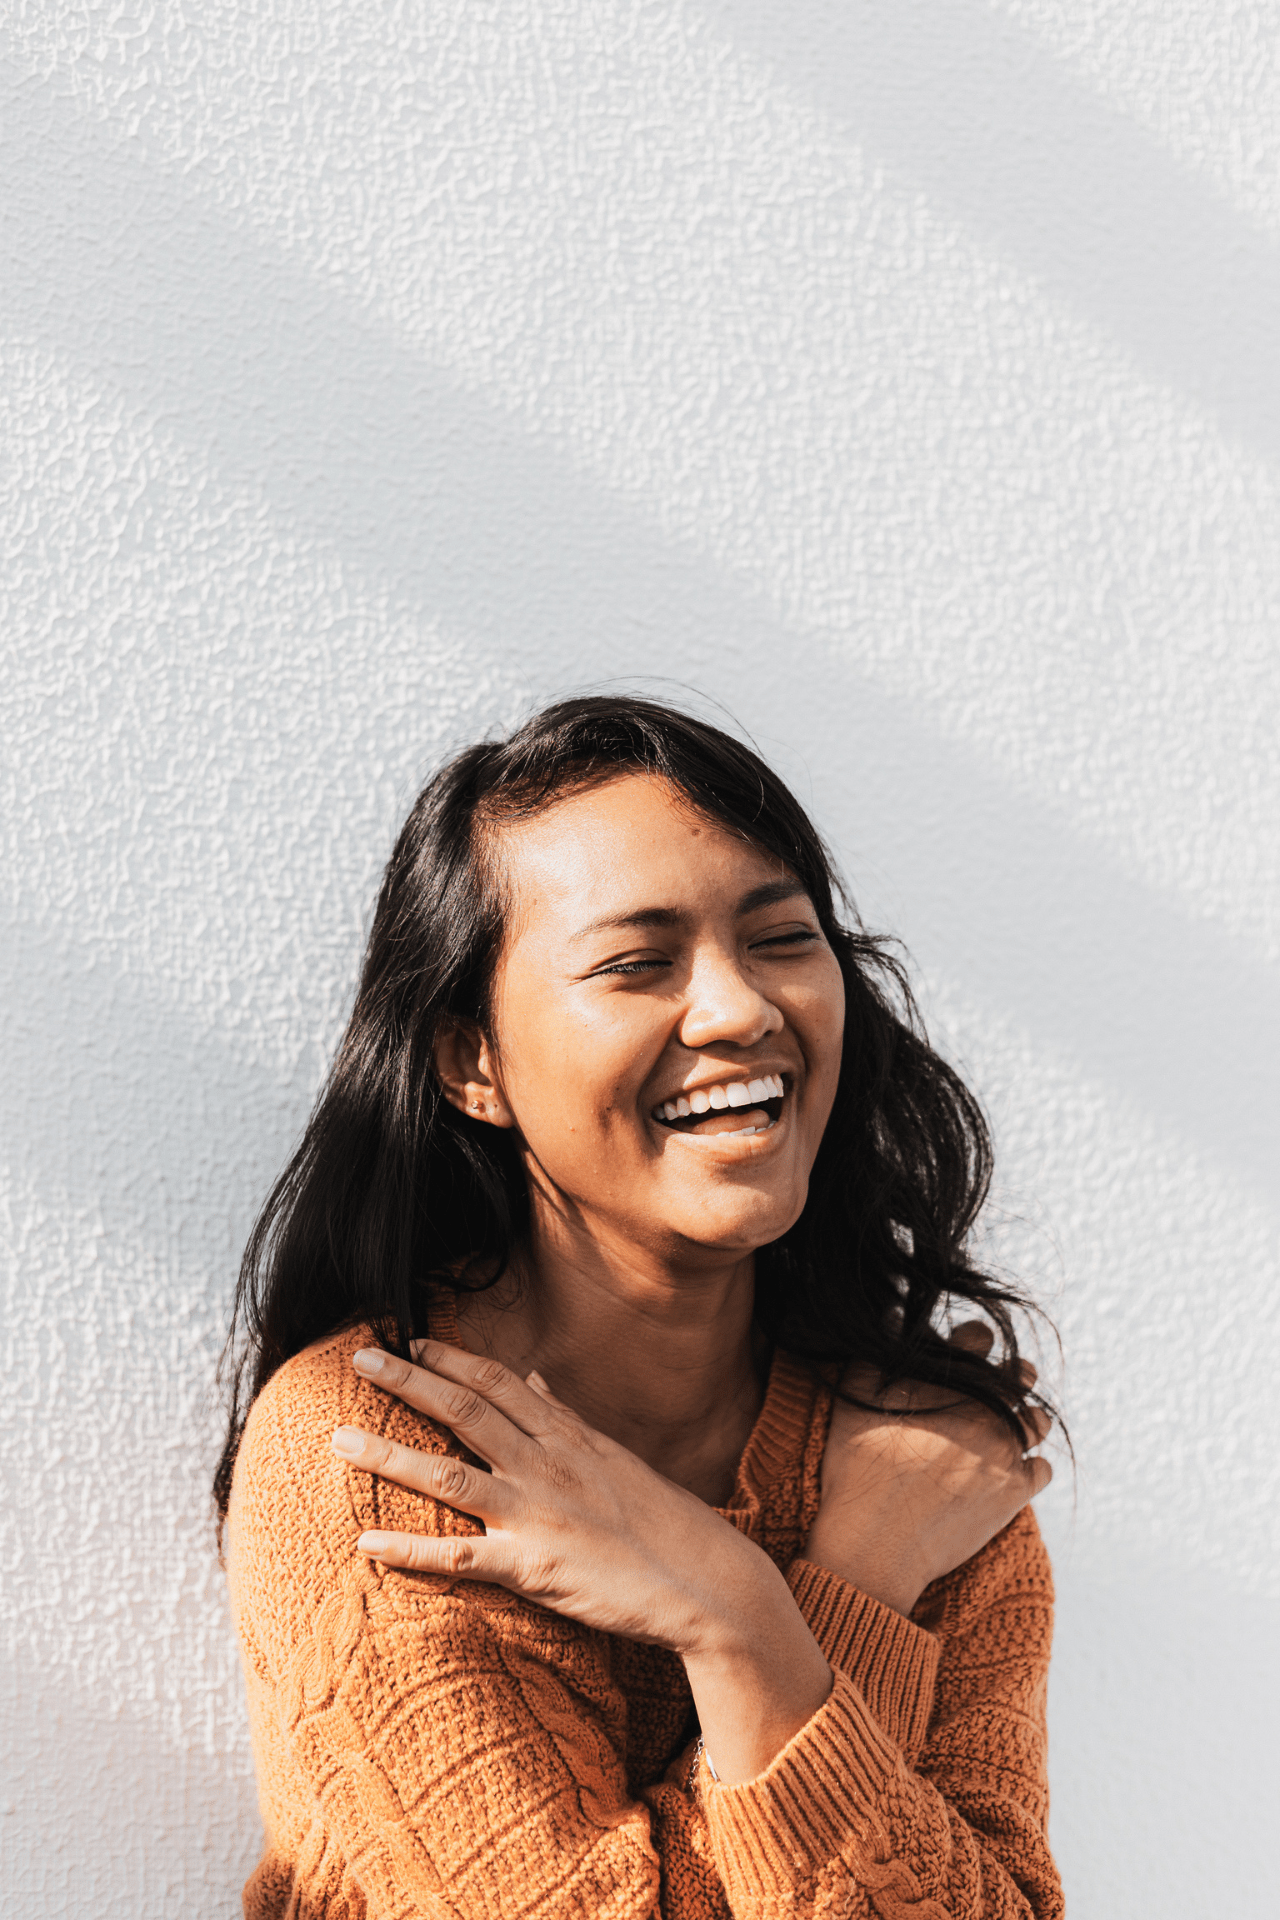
<point x="757" y="1677"/>
<point x="746" y="1604"/>
<point x="895" y="1585"/>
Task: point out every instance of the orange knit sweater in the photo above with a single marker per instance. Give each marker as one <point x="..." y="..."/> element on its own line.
<point x="440" y="1749"/>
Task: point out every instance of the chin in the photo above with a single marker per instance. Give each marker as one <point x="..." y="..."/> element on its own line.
<point x="741" y="1229"/>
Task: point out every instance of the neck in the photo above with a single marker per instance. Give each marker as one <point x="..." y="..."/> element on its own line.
<point x="658" y="1356"/>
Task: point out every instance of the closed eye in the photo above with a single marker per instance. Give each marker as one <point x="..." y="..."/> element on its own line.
<point x="799" y="936"/>
<point x="794" y="937"/>
<point x="629" y="966"/>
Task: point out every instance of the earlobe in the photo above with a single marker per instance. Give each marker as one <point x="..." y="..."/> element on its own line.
<point x="464" y="1065"/>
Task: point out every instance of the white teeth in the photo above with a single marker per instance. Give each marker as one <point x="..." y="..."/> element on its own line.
<point x="738" y="1093"/>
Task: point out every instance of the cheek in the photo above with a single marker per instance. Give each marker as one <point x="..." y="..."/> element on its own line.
<point x="571" y="1080"/>
<point x="819" y="1020"/>
<point x="822" y="1036"/>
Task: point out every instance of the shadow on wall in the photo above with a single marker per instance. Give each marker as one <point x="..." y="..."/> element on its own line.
<point x="143" y="1115"/>
<point x="279" y="384"/>
<point x="975" y="113"/>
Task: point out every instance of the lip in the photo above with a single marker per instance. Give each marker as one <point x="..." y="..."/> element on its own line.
<point x="734" y="1146"/>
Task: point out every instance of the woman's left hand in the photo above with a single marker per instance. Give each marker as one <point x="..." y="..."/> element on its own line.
<point x="911" y="1492"/>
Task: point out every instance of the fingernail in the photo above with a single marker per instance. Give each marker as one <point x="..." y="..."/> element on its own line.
<point x="535" y="1379"/>
<point x="347" y="1440"/>
<point x="372" y="1543"/>
<point x="368" y="1360"/>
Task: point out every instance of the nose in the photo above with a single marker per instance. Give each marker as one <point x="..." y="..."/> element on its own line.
<point x="724" y="1007"/>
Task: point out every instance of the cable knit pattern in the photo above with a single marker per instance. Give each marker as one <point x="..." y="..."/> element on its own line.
<point x="441" y="1749"/>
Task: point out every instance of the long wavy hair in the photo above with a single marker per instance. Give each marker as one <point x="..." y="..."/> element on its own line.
<point x="393" y="1192"/>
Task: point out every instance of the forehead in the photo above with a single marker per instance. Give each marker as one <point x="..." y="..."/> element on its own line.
<point x="633" y="842"/>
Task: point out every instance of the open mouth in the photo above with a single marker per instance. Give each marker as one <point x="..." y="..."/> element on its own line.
<point x="734" y="1107"/>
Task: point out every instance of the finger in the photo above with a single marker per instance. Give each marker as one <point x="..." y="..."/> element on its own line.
<point x="1040" y="1473"/>
<point x="1036" y="1424"/>
<point x="540" y="1387"/>
<point x="475" y="1558"/>
<point x="440" y="1477"/>
<point x="974" y="1336"/>
<point x="457" y="1397"/>
<point x="1027" y="1374"/>
<point x="522" y="1405"/>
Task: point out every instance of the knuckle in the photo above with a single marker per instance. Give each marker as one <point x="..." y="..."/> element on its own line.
<point x="463" y="1407"/>
<point x="560" y="1474"/>
<point x="489" y="1376"/>
<point x="451" y="1478"/>
<point x="537" y="1570"/>
<point x="458" y="1556"/>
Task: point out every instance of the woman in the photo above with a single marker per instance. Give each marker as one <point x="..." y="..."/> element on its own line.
<point x="616" y="1530"/>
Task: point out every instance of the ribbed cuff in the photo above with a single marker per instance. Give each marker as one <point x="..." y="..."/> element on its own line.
<point x="893" y="1662"/>
<point x="774" y="1834"/>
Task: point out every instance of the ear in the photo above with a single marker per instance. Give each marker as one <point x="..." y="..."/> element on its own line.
<point x="468" y="1074"/>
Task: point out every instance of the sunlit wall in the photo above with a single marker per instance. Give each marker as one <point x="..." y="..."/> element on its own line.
<point x="901" y="374"/>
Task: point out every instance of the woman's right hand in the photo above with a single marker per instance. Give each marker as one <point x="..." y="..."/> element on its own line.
<point x="572" y="1520"/>
<point x="911" y="1492"/>
<point x="581" y="1525"/>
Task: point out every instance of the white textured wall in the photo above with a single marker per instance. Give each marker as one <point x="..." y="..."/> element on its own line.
<point x="903" y="373"/>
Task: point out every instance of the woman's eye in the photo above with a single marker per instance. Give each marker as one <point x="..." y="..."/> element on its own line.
<point x="631" y="966"/>
<point x="798" y="937"/>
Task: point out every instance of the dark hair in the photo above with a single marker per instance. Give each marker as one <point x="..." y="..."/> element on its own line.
<point x="392" y="1191"/>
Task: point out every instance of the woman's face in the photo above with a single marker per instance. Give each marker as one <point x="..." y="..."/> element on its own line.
<point x="667" y="1023"/>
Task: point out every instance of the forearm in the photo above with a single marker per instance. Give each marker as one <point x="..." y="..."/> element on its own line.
<point x="879" y="1564"/>
<point x="757" y="1677"/>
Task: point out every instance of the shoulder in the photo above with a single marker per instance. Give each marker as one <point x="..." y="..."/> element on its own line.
<point x="286" y="1436"/>
<point x="1010" y="1575"/>
<point x="297" y="1508"/>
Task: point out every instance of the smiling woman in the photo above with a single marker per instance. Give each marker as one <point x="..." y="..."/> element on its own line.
<point x="619" y="1524"/>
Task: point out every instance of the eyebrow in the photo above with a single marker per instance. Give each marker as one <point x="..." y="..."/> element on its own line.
<point x="770" y="894"/>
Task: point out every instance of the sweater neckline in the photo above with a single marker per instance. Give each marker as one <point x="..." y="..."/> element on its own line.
<point x="775" y="1443"/>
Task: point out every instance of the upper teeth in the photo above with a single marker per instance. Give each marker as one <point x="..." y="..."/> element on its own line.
<point x="738" y="1093"/>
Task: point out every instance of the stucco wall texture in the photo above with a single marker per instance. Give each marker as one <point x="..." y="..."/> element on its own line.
<point x="900" y="373"/>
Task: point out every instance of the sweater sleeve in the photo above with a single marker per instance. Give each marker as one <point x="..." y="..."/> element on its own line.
<point x="957" y="1833"/>
<point x="892" y="1661"/>
<point x="440" y="1750"/>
